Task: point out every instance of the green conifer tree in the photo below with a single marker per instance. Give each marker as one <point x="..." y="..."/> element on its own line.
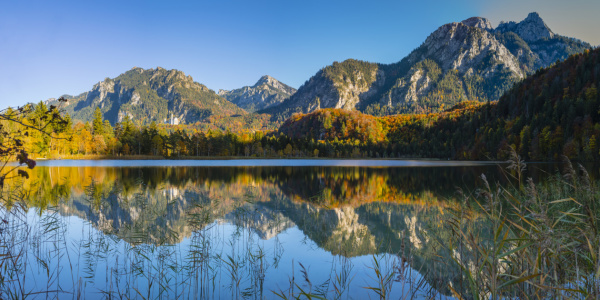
<point x="97" y="123"/>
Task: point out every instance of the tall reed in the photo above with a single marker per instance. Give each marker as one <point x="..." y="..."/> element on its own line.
<point x="542" y="242"/>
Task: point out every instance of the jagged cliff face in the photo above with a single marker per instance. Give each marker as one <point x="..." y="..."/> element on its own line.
<point x="448" y="62"/>
<point x="318" y="92"/>
<point x="478" y="22"/>
<point x="534" y="43"/>
<point x="163" y="96"/>
<point x="531" y="29"/>
<point x="460" y="47"/>
<point x="468" y="60"/>
<point x="267" y="92"/>
<point x="341" y="85"/>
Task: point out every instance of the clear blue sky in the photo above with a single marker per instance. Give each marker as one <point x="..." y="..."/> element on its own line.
<point x="49" y="48"/>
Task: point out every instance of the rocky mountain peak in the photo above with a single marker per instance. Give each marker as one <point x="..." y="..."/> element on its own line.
<point x="531" y="29"/>
<point x="268" y="82"/>
<point x="267" y="91"/>
<point x="266" y="79"/>
<point x="456" y="46"/>
<point x="534" y="17"/>
<point x="479" y="22"/>
<point x="160" y="95"/>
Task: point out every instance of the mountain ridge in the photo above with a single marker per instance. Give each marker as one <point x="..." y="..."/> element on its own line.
<point x="151" y="95"/>
<point x="468" y="60"/>
<point x="532" y="28"/>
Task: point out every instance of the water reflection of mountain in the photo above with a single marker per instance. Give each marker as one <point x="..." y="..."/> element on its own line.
<point x="346" y="211"/>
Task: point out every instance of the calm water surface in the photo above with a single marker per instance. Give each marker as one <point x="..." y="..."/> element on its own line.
<point x="241" y="228"/>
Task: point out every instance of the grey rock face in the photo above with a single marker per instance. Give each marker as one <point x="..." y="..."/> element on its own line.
<point x="267" y="92"/>
<point x="408" y="89"/>
<point x="460" y="47"/>
<point x="479" y="22"/>
<point x="469" y="50"/>
<point x="535" y="45"/>
<point x="337" y="86"/>
<point x="531" y="29"/>
<point x="319" y="92"/>
<point x="352" y="92"/>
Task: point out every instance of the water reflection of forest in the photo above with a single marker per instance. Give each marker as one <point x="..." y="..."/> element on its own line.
<point x="350" y="211"/>
<point x="332" y="186"/>
<point x="345" y="210"/>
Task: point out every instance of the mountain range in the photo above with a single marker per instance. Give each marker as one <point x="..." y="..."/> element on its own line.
<point x="468" y="60"/>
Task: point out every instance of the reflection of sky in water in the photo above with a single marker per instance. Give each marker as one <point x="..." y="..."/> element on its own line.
<point x="283" y="256"/>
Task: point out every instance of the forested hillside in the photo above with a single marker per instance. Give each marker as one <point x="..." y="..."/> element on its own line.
<point x="551" y="113"/>
<point x="554" y="111"/>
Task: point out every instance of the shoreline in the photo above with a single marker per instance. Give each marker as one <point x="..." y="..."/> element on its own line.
<point x="226" y="158"/>
<point x="271" y="162"/>
<point x="152" y="157"/>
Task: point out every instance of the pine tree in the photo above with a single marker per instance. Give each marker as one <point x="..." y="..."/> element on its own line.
<point x="97" y="123"/>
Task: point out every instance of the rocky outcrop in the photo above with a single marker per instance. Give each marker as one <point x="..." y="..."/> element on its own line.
<point x="479" y="22"/>
<point x="457" y="46"/>
<point x="531" y="29"/>
<point x="342" y="85"/>
<point x="267" y="92"/>
<point x="408" y="88"/>
<point x="468" y="51"/>
<point x="159" y="95"/>
<point x="352" y="92"/>
<point x="534" y="44"/>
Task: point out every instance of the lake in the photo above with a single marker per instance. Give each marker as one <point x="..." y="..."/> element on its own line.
<point x="339" y="229"/>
